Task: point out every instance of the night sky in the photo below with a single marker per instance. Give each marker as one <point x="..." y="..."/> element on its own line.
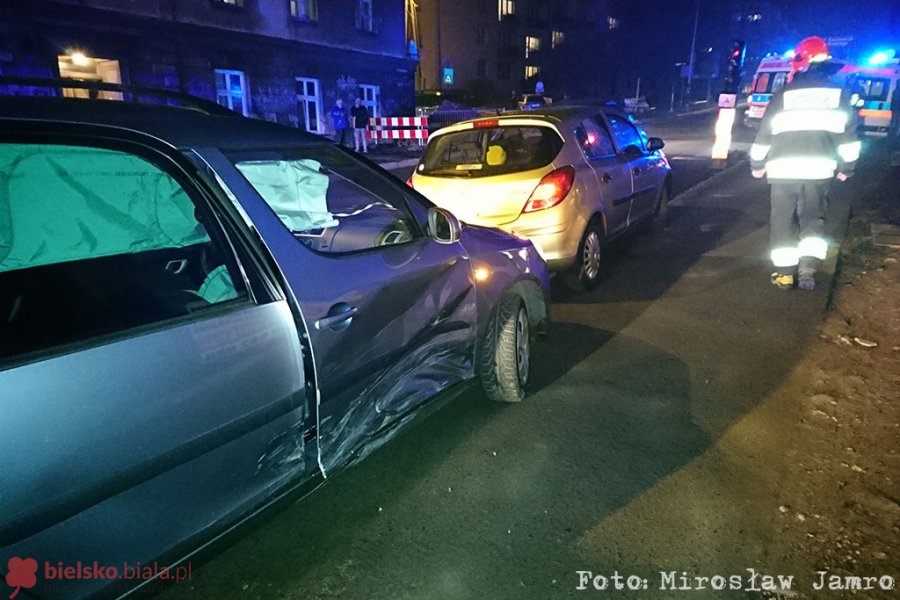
<point x="656" y="35"/>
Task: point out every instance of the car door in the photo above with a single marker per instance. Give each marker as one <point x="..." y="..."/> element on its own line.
<point x="612" y="177"/>
<point x="645" y="176"/>
<point x="143" y="410"/>
<point x="391" y="313"/>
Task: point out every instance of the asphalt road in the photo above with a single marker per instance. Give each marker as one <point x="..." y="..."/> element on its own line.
<point x="613" y="464"/>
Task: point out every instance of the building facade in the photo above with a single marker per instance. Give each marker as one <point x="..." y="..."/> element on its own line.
<point x="286" y="61"/>
<point x="504" y="47"/>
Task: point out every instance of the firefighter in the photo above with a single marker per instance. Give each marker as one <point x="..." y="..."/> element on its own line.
<point x="807" y="139"/>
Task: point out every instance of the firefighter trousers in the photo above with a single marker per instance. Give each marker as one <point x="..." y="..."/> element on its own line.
<point x="797" y="225"/>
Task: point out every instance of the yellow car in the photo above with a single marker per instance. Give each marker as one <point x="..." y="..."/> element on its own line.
<point x="569" y="179"/>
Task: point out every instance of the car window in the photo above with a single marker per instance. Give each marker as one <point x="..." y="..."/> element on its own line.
<point x="488" y="151"/>
<point x="762" y="83"/>
<point x="778" y="81"/>
<point x="331" y="202"/>
<point x="869" y="88"/>
<point x="96" y="241"/>
<point x="593" y="139"/>
<point x="624" y="133"/>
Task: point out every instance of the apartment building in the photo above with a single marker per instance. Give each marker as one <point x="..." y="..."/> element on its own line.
<point x="510" y="45"/>
<point x="281" y="60"/>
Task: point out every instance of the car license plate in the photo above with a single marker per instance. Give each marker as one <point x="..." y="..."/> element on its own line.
<point x="756" y="112"/>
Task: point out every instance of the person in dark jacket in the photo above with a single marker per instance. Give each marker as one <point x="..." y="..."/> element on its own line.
<point x="807" y="139"/>
<point x="360" y="116"/>
<point x="340" y="121"/>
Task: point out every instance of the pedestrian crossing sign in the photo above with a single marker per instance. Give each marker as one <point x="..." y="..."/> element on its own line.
<point x="448" y="76"/>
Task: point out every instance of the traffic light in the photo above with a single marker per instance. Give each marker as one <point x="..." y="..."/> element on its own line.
<point x="736" y="53"/>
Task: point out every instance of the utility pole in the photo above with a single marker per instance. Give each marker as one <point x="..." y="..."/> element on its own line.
<point x="687" y="91"/>
<point x="440" y="59"/>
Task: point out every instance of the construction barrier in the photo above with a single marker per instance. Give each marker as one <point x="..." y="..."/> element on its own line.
<point x="398" y="128"/>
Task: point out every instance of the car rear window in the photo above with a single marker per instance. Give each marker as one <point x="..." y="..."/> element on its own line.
<point x="488" y="151"/>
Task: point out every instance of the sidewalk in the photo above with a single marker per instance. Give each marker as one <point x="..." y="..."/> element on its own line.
<point x="390" y="155"/>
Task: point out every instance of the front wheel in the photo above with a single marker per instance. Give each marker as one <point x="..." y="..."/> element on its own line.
<point x="585" y="273"/>
<point x="506" y="351"/>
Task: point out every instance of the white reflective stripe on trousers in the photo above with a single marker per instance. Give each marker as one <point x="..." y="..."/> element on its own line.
<point x="813" y="246"/>
<point x="850" y="151"/>
<point x="786" y="256"/>
<point x="801" y="167"/>
<point x="759" y="151"/>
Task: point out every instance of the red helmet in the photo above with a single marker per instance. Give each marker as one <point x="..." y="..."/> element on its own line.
<point x="810" y="50"/>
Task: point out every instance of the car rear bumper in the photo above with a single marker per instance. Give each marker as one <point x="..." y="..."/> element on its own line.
<point x="557" y="243"/>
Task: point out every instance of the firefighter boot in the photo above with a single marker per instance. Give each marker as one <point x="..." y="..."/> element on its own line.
<point x="807" y="272"/>
<point x="782" y="281"/>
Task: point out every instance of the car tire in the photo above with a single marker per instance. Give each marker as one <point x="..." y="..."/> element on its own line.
<point x="659" y="220"/>
<point x="584" y="275"/>
<point x="506" y="351"/>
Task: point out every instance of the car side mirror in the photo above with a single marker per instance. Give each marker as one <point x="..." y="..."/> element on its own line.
<point x="632" y="151"/>
<point x="443" y="226"/>
<point x="655" y="143"/>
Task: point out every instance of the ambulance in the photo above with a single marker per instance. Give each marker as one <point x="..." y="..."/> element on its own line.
<point x="873" y="91"/>
<point x="771" y="75"/>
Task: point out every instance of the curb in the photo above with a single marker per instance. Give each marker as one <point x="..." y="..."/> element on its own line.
<point x="710" y="181"/>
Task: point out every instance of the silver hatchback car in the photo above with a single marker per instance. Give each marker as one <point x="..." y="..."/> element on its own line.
<point x="569" y="179"/>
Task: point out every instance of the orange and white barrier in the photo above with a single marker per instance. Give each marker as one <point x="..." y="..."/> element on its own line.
<point x="398" y="128"/>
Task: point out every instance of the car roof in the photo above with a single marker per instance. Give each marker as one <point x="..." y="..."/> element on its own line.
<point x="179" y="126"/>
<point x="554" y="115"/>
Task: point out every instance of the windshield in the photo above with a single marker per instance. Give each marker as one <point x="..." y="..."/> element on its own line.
<point x="870" y="88"/>
<point x="489" y="151"/>
<point x="769" y="83"/>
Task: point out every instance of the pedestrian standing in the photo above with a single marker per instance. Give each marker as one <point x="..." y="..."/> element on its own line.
<point x="340" y="121"/>
<point x="360" y="116"/>
<point x="807" y="139"/>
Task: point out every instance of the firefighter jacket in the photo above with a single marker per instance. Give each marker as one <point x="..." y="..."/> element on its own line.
<point x="807" y="133"/>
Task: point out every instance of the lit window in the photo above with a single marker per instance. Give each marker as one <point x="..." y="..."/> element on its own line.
<point x="364" y="16"/>
<point x="231" y="90"/>
<point x="239" y="3"/>
<point x="754" y="17"/>
<point x="305" y="10"/>
<point x="557" y="38"/>
<point x="612" y="22"/>
<point x="531" y="71"/>
<point x="532" y="45"/>
<point x="507" y="8"/>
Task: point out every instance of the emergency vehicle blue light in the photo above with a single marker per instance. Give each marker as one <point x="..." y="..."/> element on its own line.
<point x="789" y="54"/>
<point x="881" y="57"/>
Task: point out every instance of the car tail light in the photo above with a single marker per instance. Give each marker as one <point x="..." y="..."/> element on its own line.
<point x="551" y="190"/>
<point x="486" y="123"/>
<point x="409" y="182"/>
